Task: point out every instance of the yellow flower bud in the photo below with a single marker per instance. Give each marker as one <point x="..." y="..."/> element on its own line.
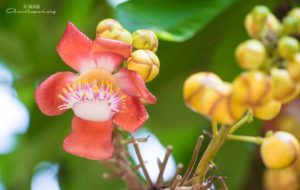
<point x="273" y="25"/>
<point x="286" y="178"/>
<point x="144" y="62"/>
<point x="251" y="54"/>
<point x="107" y="26"/>
<point x="285" y="89"/>
<point x="255" y="20"/>
<point x="252" y="88"/>
<point x="145" y="39"/>
<point x="268" y="110"/>
<point x="279" y="150"/>
<point x="220" y="106"/>
<point x="293" y="68"/>
<point x="195" y="86"/>
<point x="290" y="25"/>
<point x="117" y="34"/>
<point x="288" y="47"/>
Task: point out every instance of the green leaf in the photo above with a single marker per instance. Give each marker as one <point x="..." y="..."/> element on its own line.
<point x="171" y="20"/>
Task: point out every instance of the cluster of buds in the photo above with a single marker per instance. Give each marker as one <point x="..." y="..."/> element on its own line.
<point x="143" y="59"/>
<point x="271" y="60"/>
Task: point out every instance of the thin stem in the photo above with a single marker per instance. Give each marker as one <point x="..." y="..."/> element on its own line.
<point x="121" y="166"/>
<point x="246" y="119"/>
<point x="212" y="149"/>
<point x="142" y="163"/>
<point x="193" y="160"/>
<point x="178" y="171"/>
<point x="162" y="167"/>
<point x="214" y="126"/>
<point x="176" y="183"/>
<point x="256" y="140"/>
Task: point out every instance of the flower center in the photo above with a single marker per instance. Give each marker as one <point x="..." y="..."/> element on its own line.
<point x="94" y="101"/>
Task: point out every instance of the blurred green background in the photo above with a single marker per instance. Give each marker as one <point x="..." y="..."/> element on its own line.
<point x="195" y="35"/>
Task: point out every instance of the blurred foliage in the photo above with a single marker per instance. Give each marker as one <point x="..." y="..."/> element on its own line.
<point x="208" y="31"/>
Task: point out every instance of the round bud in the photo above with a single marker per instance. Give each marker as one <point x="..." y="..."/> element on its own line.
<point x="285" y="89"/>
<point x="268" y="110"/>
<point x="288" y="47"/>
<point x="295" y="13"/>
<point x="117" y="34"/>
<point x="106" y="26"/>
<point x="260" y="13"/>
<point x="281" y="179"/>
<point x="293" y="68"/>
<point x="279" y="150"/>
<point x="144" y="62"/>
<point x="220" y="106"/>
<point x="145" y="39"/>
<point x="195" y="86"/>
<point x="273" y="25"/>
<point x="290" y="25"/>
<point x="251" y="54"/>
<point x="252" y="88"/>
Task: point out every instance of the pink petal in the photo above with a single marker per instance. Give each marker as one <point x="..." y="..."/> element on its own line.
<point x="109" y="53"/>
<point x="74" y="48"/>
<point x="134" y="115"/>
<point x="46" y="94"/>
<point x="91" y="140"/>
<point x="132" y="83"/>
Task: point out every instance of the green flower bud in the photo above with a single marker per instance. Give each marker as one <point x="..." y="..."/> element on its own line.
<point x="290" y="25"/>
<point x="251" y="54"/>
<point x="260" y="13"/>
<point x="288" y="47"/>
<point x="145" y="39"/>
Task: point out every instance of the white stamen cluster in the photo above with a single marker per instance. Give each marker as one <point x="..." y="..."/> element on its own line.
<point x="83" y="91"/>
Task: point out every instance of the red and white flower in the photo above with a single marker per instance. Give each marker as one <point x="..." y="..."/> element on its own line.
<point x="102" y="93"/>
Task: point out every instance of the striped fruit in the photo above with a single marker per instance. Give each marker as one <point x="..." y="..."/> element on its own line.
<point x="268" y="110"/>
<point x="144" y="62"/>
<point x="145" y="39"/>
<point x="279" y="150"/>
<point x="195" y="86"/>
<point x="255" y="20"/>
<point x="285" y="89"/>
<point x="251" y="54"/>
<point x="293" y="68"/>
<point x="252" y="88"/>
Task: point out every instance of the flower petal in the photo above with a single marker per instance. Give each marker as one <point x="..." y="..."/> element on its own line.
<point x="74" y="48"/>
<point x="109" y="53"/>
<point x="91" y="140"/>
<point x="132" y="83"/>
<point x="134" y="115"/>
<point x="46" y="94"/>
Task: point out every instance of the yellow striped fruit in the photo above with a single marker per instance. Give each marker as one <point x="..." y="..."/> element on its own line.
<point x="145" y="39"/>
<point x="288" y="47"/>
<point x="293" y="67"/>
<point x="195" y="86"/>
<point x="251" y="54"/>
<point x="285" y="89"/>
<point x="252" y="88"/>
<point x="268" y="110"/>
<point x="144" y="62"/>
<point x="279" y="150"/>
<point x="295" y="13"/>
<point x="290" y="25"/>
<point x="106" y="26"/>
